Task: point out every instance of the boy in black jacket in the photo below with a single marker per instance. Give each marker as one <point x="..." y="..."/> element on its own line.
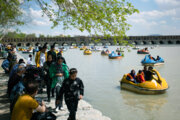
<point x="73" y="90"/>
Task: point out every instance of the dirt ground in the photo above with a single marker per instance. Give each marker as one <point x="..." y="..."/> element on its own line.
<point x="4" y="102"/>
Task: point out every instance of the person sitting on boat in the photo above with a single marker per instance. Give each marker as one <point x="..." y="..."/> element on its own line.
<point x="145" y="71"/>
<point x="142" y="50"/>
<point x="146" y="49"/>
<point x="140" y="77"/>
<point x="152" y="58"/>
<point x="117" y="50"/>
<point x="158" y="58"/>
<point x="149" y="74"/>
<point x="119" y="53"/>
<point x="131" y="76"/>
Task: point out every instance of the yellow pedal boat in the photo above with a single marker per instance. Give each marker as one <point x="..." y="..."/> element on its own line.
<point x="87" y="52"/>
<point x="83" y="48"/>
<point x="157" y="85"/>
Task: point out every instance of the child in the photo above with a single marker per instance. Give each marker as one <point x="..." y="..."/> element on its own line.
<point x="29" y="62"/>
<point x="73" y="90"/>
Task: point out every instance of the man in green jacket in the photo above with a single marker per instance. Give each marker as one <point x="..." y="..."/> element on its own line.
<point x="58" y="72"/>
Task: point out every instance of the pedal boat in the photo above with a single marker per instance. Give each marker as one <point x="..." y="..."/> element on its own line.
<point x="157" y="85"/>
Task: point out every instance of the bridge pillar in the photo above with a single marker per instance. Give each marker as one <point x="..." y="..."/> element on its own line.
<point x="32" y="44"/>
<point x="24" y="44"/>
<point x="154" y="42"/>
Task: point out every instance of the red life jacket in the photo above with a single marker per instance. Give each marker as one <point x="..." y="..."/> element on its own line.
<point x="140" y="78"/>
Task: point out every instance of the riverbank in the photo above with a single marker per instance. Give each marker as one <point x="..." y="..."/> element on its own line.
<point x="85" y="110"/>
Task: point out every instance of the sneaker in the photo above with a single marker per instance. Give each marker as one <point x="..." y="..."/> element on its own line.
<point x="62" y="108"/>
<point x="57" y="109"/>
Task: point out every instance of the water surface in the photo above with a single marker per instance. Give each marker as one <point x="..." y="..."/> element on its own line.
<point x="102" y="89"/>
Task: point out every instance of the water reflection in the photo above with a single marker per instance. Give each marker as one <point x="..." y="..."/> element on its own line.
<point x="145" y="102"/>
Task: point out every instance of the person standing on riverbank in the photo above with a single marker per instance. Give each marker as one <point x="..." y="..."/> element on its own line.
<point x="73" y="90"/>
<point x="48" y="80"/>
<point x="58" y="72"/>
<point x="60" y="55"/>
<point x="41" y="57"/>
<point x="34" y="51"/>
<point x="52" y="53"/>
<point x="29" y="61"/>
<point x="5" y="65"/>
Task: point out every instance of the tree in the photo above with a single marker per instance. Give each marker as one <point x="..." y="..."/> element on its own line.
<point x="21" y="35"/>
<point x="10" y="13"/>
<point x="105" y="17"/>
<point x="41" y="36"/>
<point x="15" y="35"/>
<point x="49" y="36"/>
<point x="33" y="35"/>
<point x="99" y="17"/>
<point x="61" y="35"/>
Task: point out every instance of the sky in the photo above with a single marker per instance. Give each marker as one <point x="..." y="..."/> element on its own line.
<point x="156" y="17"/>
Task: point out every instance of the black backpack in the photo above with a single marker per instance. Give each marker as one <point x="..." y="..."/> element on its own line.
<point x="43" y="116"/>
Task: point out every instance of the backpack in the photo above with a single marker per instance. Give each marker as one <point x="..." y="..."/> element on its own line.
<point x="43" y="116"/>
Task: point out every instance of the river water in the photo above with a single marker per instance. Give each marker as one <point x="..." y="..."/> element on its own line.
<point x="102" y="89"/>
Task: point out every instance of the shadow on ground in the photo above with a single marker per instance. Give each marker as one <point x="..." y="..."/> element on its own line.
<point x="5" y="116"/>
<point x="4" y="101"/>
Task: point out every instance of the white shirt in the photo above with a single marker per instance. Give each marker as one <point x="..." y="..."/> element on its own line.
<point x="29" y="62"/>
<point x="42" y="59"/>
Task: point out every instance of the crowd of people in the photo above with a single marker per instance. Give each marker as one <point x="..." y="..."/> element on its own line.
<point x="27" y="80"/>
<point x="143" y="75"/>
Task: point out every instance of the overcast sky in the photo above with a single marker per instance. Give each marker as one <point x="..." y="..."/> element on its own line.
<point x="155" y="17"/>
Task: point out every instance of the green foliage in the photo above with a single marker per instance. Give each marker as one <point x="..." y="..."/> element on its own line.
<point x="105" y="17"/>
<point x="19" y="35"/>
<point x="48" y="36"/>
<point x="97" y="40"/>
<point x="33" y="35"/>
<point x="41" y="36"/>
<point x="99" y="17"/>
<point x="10" y="13"/>
<point x="15" y="35"/>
